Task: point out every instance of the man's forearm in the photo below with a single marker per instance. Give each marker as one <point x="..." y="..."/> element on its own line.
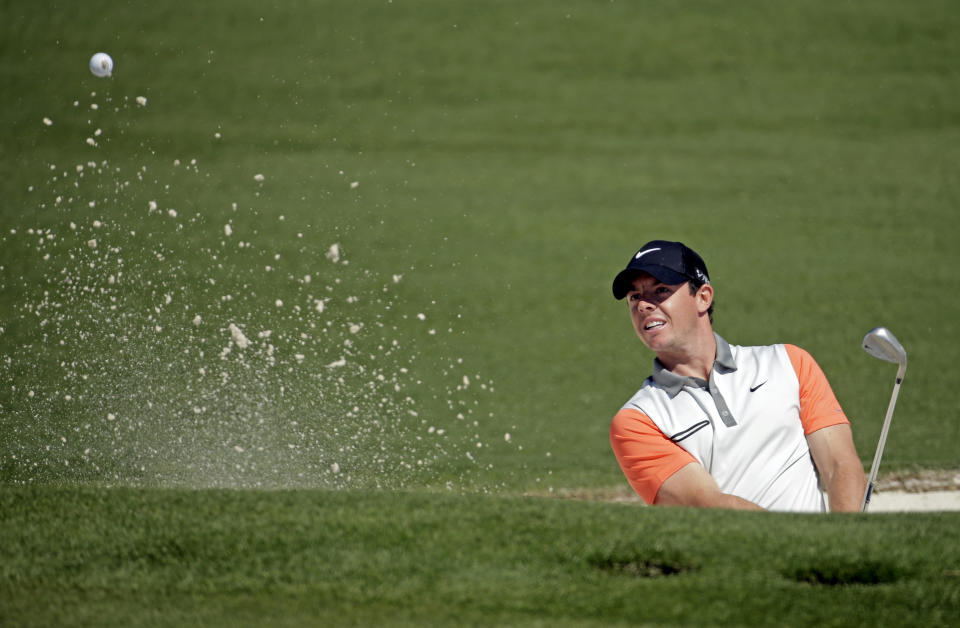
<point x="726" y="500"/>
<point x="706" y="499"/>
<point x="693" y="486"/>
<point x="840" y="469"/>
<point x="845" y="488"/>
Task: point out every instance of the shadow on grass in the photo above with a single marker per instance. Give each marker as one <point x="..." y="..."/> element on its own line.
<point x="844" y="571"/>
<point x="643" y="563"/>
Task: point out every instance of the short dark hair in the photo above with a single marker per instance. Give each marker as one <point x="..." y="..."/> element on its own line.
<point x="694" y="286"/>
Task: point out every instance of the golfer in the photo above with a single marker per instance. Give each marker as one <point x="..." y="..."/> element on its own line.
<point x="719" y="425"/>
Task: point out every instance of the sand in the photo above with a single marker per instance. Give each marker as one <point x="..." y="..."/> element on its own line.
<point x="902" y="501"/>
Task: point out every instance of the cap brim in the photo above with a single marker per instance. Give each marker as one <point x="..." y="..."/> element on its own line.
<point x="623" y="282"/>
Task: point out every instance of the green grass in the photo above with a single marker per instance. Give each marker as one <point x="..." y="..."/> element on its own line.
<point x="509" y="157"/>
<point x="145" y="557"/>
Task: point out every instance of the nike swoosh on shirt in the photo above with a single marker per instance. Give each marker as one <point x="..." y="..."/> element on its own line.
<point x="690" y="431"/>
<point x="754" y="388"/>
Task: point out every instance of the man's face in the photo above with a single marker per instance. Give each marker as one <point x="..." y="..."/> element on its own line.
<point x="666" y="316"/>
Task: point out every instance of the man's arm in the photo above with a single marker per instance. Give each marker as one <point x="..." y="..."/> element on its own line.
<point x="693" y="486"/>
<point x="841" y="471"/>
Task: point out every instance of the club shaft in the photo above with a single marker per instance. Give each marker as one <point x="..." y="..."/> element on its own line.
<point x="883" y="440"/>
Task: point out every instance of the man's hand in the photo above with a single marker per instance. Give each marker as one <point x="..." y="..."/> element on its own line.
<point x="841" y="471"/>
<point x="693" y="486"/>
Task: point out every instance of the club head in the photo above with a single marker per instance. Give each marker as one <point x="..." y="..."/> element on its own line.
<point x="883" y="345"/>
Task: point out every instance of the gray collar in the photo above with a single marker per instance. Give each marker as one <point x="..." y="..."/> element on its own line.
<point x="672" y="383"/>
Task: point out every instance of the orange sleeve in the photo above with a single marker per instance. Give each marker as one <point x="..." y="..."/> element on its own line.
<point x="819" y="407"/>
<point x="646" y="456"/>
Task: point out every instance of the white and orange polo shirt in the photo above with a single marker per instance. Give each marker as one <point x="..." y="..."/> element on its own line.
<point x="747" y="426"/>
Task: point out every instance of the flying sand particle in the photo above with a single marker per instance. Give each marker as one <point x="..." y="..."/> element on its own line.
<point x="239" y="339"/>
<point x="334" y="253"/>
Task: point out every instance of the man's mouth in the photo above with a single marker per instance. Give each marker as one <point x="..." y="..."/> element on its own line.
<point x="654" y="325"/>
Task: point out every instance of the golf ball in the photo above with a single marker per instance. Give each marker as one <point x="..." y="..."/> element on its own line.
<point x="101" y="64"/>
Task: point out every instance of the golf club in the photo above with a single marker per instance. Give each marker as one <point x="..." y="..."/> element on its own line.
<point x="883" y="345"/>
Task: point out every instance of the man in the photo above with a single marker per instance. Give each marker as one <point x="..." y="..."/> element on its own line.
<point x="723" y="426"/>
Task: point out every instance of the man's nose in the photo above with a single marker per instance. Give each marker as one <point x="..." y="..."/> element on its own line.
<point x="644" y="304"/>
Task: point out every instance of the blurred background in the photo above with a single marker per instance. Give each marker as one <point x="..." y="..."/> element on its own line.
<point x="370" y="244"/>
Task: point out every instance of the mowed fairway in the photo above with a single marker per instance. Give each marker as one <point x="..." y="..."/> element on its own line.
<point x="305" y="312"/>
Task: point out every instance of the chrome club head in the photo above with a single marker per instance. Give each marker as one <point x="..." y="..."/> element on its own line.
<point x="883" y="345"/>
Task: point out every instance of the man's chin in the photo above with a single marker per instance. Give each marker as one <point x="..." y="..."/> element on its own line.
<point x="650" y="343"/>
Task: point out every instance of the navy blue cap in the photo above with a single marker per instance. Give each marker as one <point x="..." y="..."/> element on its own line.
<point x="668" y="262"/>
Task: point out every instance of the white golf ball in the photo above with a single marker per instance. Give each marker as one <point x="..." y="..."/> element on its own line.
<point x="101" y="64"/>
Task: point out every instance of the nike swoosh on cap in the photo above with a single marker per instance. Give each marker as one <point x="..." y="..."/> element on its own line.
<point x="642" y="253"/>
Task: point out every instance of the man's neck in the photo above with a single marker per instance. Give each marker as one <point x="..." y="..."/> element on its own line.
<point x="697" y="358"/>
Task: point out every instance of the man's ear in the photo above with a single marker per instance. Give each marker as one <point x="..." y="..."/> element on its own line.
<point x="704" y="298"/>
